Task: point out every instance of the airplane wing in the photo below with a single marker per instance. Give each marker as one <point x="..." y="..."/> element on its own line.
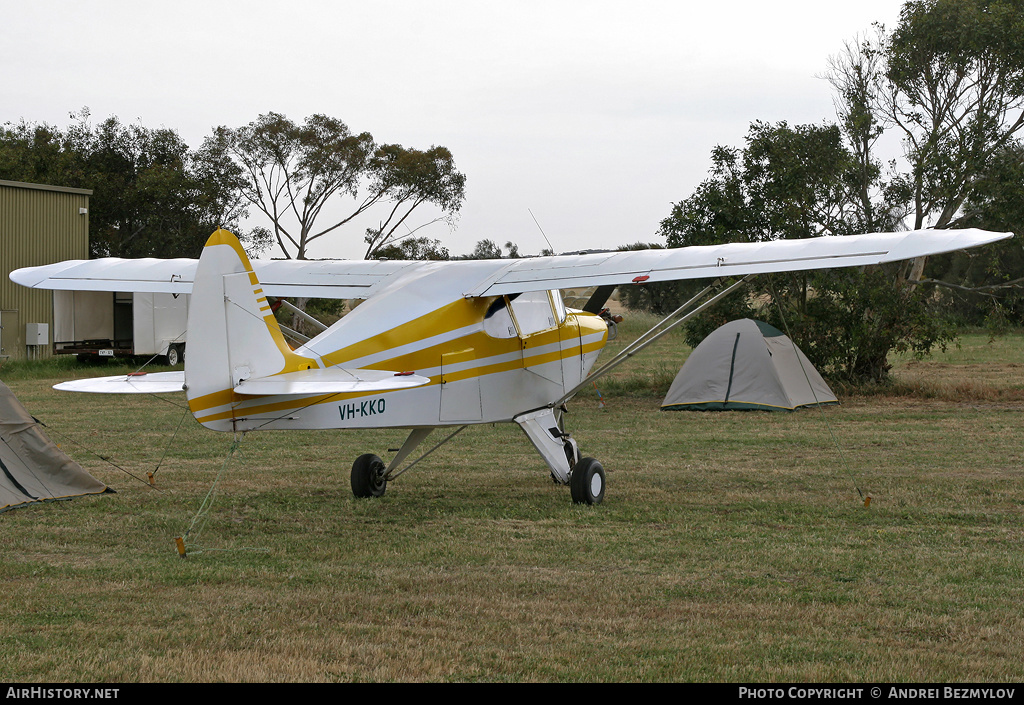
<point x="733" y="259"/>
<point x="324" y="279"/>
<point x="361" y="278"/>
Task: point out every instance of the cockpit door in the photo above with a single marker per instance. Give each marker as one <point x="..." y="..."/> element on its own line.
<point x="538" y="323"/>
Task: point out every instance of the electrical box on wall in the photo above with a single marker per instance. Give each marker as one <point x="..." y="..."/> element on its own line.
<point x="37" y="334"/>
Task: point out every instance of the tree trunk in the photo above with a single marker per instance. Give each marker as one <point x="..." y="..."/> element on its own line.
<point x="297" y="323"/>
<point x="917" y="270"/>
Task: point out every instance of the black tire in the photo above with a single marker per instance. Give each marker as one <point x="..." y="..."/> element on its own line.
<point x="368" y="476"/>
<point x="174" y="355"/>
<point x="587" y="482"/>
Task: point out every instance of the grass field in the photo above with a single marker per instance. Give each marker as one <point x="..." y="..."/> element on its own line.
<point x="730" y="546"/>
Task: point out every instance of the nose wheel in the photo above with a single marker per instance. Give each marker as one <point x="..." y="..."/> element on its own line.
<point x="587" y="482"/>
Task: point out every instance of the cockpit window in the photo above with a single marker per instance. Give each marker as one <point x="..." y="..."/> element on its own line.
<point x="495" y="307"/>
<point x="559" y="304"/>
<point x="533" y="312"/>
<point x="498" y="321"/>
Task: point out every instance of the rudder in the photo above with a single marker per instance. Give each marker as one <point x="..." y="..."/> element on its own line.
<point x="232" y="332"/>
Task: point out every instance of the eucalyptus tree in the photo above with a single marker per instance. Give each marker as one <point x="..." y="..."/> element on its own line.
<point x="949" y="80"/>
<point x="295" y="174"/>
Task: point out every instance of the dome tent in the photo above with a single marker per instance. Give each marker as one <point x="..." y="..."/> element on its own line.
<point x="747" y="364"/>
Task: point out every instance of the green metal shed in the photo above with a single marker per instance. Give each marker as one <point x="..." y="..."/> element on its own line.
<point x="39" y="224"/>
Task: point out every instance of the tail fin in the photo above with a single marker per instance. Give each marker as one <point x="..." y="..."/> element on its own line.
<point x="232" y="332"/>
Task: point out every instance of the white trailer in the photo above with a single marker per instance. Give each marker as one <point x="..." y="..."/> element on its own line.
<point x="102" y="324"/>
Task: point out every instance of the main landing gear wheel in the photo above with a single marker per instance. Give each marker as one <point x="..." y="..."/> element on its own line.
<point x="368" y="476"/>
<point x="587" y="481"/>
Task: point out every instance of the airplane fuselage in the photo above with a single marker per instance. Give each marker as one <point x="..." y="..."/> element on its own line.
<point x="488" y="359"/>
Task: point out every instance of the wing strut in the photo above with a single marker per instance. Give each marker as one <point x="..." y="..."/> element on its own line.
<point x="303" y="315"/>
<point x="674" y="319"/>
<point x="598" y="299"/>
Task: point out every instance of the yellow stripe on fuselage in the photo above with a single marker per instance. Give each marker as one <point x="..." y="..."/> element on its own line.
<point x="456" y="315"/>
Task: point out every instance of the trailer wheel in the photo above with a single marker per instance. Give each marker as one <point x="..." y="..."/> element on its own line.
<point x="175" y="355"/>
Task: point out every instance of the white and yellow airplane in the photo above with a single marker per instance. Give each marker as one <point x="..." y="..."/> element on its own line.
<point x="434" y="344"/>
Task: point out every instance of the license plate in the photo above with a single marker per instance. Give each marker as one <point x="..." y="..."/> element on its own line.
<point x="106" y="353"/>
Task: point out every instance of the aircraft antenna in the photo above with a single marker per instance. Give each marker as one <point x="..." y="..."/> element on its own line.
<point x="550" y="246"/>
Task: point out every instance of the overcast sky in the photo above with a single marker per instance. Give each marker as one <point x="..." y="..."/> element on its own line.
<point x="595" y="116"/>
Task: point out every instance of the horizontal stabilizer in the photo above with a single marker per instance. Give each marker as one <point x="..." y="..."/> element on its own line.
<point x="137" y="383"/>
<point x="333" y="380"/>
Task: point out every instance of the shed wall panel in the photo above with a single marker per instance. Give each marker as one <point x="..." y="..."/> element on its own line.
<point x="38" y="225"/>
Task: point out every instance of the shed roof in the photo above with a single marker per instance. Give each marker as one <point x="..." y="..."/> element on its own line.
<point x="45" y="187"/>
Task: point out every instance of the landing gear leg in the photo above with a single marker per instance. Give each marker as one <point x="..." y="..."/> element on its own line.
<point x="585" y="476"/>
<point x="370" y="475"/>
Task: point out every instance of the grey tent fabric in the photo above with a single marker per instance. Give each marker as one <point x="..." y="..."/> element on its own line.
<point x="32" y="467"/>
<point x="747" y="364"/>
